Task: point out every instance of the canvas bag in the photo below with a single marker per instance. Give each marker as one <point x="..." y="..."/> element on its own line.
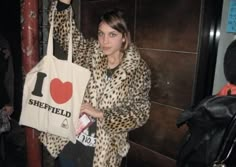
<point x="53" y="93"/>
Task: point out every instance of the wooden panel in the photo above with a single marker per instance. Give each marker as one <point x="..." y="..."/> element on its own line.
<point x="139" y="156"/>
<point x="172" y="76"/>
<point x="92" y="10"/>
<point x="168" y="25"/>
<point x="160" y="134"/>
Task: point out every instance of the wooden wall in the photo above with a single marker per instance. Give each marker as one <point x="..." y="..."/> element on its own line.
<point x="166" y="33"/>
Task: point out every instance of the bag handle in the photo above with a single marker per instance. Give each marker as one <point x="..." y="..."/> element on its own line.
<point x="228" y="142"/>
<point x="50" y="38"/>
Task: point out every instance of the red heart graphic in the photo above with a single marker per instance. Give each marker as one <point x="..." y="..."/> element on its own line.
<point x="60" y="92"/>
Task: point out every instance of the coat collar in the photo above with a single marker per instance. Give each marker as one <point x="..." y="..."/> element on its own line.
<point x="129" y="63"/>
<point x="131" y="59"/>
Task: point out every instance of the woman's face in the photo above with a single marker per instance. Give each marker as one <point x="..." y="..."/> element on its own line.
<point x="110" y="40"/>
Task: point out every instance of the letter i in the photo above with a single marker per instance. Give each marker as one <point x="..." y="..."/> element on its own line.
<point x="39" y="84"/>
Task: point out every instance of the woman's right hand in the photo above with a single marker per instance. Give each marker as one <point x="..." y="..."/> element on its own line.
<point x="66" y="1"/>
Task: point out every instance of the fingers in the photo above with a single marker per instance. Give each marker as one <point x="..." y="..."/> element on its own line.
<point x="66" y="1"/>
<point x="90" y="110"/>
<point x="86" y="108"/>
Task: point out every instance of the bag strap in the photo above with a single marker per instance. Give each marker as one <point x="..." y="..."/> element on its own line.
<point x="190" y="112"/>
<point x="228" y="142"/>
<point x="50" y="38"/>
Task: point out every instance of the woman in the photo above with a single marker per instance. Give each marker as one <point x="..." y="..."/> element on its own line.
<point x="117" y="95"/>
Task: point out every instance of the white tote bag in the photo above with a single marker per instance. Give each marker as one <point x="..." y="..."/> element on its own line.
<point x="53" y="93"/>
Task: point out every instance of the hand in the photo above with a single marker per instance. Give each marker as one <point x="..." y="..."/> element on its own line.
<point x="8" y="109"/>
<point x="6" y="52"/>
<point x="66" y="1"/>
<point x="90" y="110"/>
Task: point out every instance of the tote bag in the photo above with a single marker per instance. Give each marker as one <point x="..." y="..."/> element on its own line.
<point x="53" y="93"/>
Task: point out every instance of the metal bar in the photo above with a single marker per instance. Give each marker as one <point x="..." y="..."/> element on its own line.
<point x="30" y="57"/>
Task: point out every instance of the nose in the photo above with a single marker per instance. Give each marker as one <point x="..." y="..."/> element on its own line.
<point x="105" y="39"/>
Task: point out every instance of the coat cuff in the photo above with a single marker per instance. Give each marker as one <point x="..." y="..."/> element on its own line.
<point x="62" y="6"/>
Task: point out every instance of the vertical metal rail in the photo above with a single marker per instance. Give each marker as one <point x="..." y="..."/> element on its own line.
<point x="30" y="57"/>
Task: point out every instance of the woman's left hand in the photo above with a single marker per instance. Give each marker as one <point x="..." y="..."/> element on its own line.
<point x="90" y="110"/>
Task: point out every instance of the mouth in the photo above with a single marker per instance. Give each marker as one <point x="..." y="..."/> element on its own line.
<point x="106" y="48"/>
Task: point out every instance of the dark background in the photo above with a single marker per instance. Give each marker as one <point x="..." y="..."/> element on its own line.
<point x="10" y="28"/>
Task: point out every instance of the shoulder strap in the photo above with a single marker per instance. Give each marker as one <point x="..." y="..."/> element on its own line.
<point x="184" y="116"/>
<point x="228" y="142"/>
<point x="50" y="38"/>
<point x="190" y="112"/>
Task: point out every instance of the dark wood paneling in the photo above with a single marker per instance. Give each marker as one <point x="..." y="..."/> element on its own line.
<point x="160" y="134"/>
<point x="92" y="10"/>
<point x="140" y="156"/>
<point x="172" y="76"/>
<point x="168" y="25"/>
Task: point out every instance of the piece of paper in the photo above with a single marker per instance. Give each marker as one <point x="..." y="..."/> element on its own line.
<point x="231" y="22"/>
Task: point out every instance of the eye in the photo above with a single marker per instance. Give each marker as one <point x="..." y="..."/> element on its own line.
<point x="100" y="33"/>
<point x="112" y="34"/>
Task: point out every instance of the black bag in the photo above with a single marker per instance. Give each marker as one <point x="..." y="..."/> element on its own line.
<point x="211" y="135"/>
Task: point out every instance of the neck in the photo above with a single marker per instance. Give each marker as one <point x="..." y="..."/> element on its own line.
<point x="114" y="61"/>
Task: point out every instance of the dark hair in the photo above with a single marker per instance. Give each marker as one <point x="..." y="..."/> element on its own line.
<point x="115" y="19"/>
<point x="229" y="63"/>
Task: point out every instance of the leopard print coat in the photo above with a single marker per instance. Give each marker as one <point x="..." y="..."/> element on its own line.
<point x="124" y="99"/>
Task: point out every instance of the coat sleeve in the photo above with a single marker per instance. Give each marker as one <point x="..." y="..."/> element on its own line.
<point x="135" y="110"/>
<point x="61" y="28"/>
